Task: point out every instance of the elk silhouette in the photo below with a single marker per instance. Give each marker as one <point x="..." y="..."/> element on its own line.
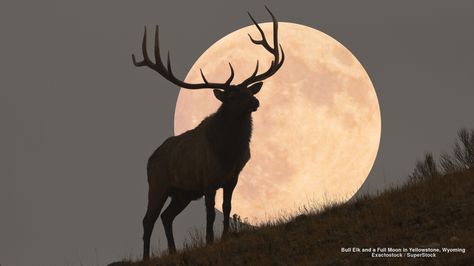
<point x="210" y="156"/>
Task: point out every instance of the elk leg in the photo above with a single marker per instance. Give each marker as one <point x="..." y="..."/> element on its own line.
<point x="211" y="215"/>
<point x="156" y="200"/>
<point x="176" y="206"/>
<point x="226" y="207"/>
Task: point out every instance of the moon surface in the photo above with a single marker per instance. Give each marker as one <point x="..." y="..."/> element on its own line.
<point x="317" y="131"/>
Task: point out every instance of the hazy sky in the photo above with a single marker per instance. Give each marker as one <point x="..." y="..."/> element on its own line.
<point x="78" y="120"/>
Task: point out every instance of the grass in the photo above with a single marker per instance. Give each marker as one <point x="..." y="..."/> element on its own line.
<point x="433" y="209"/>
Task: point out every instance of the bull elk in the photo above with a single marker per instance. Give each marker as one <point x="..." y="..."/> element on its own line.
<point x="210" y="156"/>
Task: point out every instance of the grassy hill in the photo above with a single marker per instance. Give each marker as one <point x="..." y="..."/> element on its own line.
<point x="436" y="212"/>
<point x="433" y="210"/>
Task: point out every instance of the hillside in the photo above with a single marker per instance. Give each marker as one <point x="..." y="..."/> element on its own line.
<point x="436" y="212"/>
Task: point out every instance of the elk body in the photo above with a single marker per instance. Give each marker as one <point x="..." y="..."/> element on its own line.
<point x="210" y="156"/>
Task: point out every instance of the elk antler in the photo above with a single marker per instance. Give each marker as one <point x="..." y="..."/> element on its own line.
<point x="166" y="72"/>
<point x="276" y="63"/>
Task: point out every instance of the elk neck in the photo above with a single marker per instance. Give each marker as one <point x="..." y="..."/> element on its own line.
<point x="229" y="134"/>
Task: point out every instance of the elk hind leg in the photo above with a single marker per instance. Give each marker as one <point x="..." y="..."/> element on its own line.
<point x="176" y="206"/>
<point x="156" y="200"/>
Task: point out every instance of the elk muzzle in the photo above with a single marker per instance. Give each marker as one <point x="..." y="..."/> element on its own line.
<point x="254" y="104"/>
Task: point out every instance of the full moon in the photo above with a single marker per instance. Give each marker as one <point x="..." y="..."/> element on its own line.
<point x="317" y="131"/>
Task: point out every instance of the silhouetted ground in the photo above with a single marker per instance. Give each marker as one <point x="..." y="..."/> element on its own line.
<point x="435" y="212"/>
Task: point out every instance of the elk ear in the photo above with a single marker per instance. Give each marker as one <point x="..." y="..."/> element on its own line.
<point x="255" y="88"/>
<point x="219" y="95"/>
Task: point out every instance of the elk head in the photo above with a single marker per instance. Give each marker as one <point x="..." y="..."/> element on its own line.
<point x="238" y="99"/>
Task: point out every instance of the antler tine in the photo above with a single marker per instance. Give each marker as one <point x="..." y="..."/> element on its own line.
<point x="254" y="74"/>
<point x="282" y="56"/>
<point x="272" y="69"/>
<point x="168" y="65"/>
<point x="167" y="72"/>
<point x="276" y="63"/>
<point x="203" y="77"/>
<point x="275" y="36"/>
<point x="144" y="51"/>
<point x="263" y="41"/>
<point x="229" y="80"/>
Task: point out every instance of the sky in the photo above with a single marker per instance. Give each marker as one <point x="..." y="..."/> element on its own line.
<point x="78" y="120"/>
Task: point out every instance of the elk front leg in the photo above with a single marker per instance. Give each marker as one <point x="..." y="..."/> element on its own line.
<point x="211" y="215"/>
<point x="226" y="207"/>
